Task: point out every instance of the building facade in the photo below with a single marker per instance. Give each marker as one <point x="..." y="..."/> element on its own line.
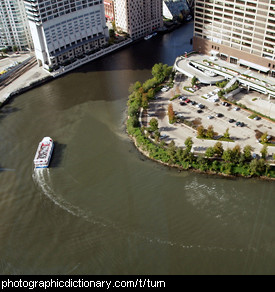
<point x="14" y="26"/>
<point x="109" y="10"/>
<point x="138" y="17"/>
<point x="63" y="30"/>
<point x="239" y="31"/>
<point x="175" y="8"/>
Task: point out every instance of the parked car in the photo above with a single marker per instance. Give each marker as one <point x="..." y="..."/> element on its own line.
<point x="231" y="121"/>
<point x="225" y="103"/>
<point x="210" y="117"/>
<point x="163" y="136"/>
<point x="201" y="106"/>
<point x="257" y="118"/>
<point x="236" y="108"/>
<point x="182" y="103"/>
<point x="240" y="124"/>
<point x="187" y="100"/>
<point x="193" y="102"/>
<point x="219" y="115"/>
<point x="199" y="111"/>
<point x="182" y="98"/>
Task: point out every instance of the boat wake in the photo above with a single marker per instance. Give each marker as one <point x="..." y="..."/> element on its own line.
<point x="42" y="179"/>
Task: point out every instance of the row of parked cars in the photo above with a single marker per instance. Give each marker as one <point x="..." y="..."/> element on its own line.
<point x="201" y="106"/>
<point x="184" y="100"/>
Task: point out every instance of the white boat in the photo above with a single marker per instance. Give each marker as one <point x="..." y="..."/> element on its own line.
<point x="43" y="153"/>
<point x="150" y="35"/>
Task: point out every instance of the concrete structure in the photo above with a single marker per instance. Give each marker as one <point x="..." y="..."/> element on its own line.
<point x="238" y="31"/>
<point x="138" y="17"/>
<point x="14" y="26"/>
<point x="63" y="30"/>
<point x="209" y="72"/>
<point x="175" y="8"/>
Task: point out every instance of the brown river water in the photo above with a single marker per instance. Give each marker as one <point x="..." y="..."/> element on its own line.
<point x="102" y="207"/>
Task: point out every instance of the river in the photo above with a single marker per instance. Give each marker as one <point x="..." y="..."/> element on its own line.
<point x="102" y="207"/>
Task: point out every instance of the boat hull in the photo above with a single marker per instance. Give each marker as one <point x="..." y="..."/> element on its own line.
<point x="44" y="153"/>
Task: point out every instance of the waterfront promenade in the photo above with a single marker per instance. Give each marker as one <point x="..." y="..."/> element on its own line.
<point x="36" y="74"/>
<point x="33" y="74"/>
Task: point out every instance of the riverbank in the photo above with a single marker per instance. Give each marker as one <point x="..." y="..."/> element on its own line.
<point x="181" y="168"/>
<point x="30" y="79"/>
<point x="37" y="76"/>
<point x="149" y="141"/>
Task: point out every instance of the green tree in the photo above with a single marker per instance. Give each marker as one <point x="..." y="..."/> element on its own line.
<point x="218" y="149"/>
<point x="151" y="93"/>
<point x="171" y="114"/>
<point x="200" y="131"/>
<point x="236" y="153"/>
<point x="264" y="138"/>
<point x="161" y="71"/>
<point x="14" y="48"/>
<point x="134" y="87"/>
<point x="194" y="81"/>
<point x="114" y="25"/>
<point x="153" y="124"/>
<point x="210" y="152"/>
<point x="111" y="33"/>
<point x="144" y="101"/>
<point x="171" y="151"/>
<point x="210" y="132"/>
<point x="215" y="165"/>
<point x="247" y="152"/>
<point x="5" y="50"/>
<point x="226" y="134"/>
<point x="264" y="151"/>
<point x="148" y="84"/>
<point x="157" y="135"/>
<point x="188" y="143"/>
<point x="227" y="155"/>
<point x="227" y="168"/>
<point x="133" y="110"/>
<point x="257" y="167"/>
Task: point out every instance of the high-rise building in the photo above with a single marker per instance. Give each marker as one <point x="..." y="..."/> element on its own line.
<point x="239" y="31"/>
<point x="175" y="8"/>
<point x="63" y="30"/>
<point x="14" y="27"/>
<point x="138" y="17"/>
<point x="109" y="10"/>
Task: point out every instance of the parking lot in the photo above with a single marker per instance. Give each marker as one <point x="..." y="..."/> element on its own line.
<point x="244" y="133"/>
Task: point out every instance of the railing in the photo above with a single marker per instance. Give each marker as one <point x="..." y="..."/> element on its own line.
<point x="89" y="58"/>
<point x="14" y="69"/>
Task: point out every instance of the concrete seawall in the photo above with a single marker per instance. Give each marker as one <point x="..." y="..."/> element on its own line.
<point x="37" y="76"/>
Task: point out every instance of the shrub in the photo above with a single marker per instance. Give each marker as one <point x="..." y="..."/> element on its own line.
<point x="171" y="114"/>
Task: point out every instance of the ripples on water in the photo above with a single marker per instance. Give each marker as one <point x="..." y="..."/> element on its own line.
<point x="201" y="196"/>
<point x="102" y="207"/>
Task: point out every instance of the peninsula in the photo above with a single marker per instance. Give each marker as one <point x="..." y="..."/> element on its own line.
<point x="171" y="121"/>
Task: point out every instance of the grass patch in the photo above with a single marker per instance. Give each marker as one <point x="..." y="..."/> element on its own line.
<point x="188" y="89"/>
<point x="225" y="139"/>
<point x="268" y="144"/>
<point x="252" y="116"/>
<point x="174" y="97"/>
<point x="219" y="139"/>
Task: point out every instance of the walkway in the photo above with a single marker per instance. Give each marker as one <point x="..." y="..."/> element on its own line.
<point x="249" y="78"/>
